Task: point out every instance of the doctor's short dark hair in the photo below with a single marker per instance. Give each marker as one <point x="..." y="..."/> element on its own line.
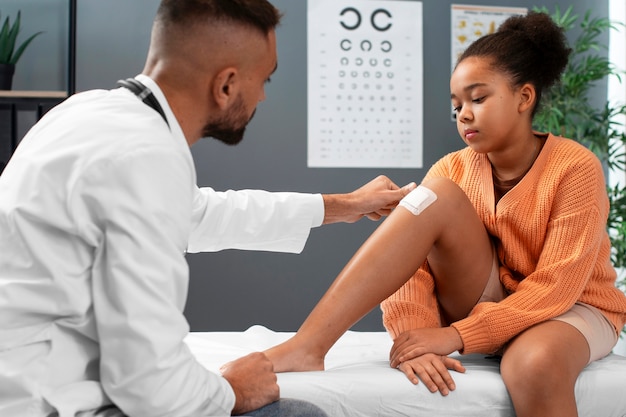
<point x="260" y="14"/>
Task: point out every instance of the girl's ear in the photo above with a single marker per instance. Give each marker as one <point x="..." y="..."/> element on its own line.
<point x="528" y="96"/>
<point x="225" y="87"/>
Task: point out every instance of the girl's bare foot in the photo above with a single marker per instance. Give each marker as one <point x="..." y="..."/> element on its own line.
<point x="290" y="356"/>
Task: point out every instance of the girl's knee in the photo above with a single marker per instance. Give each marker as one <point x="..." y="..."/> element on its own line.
<point x="447" y="191"/>
<point x="452" y="201"/>
<point x="534" y="368"/>
<point x="547" y="353"/>
<point x="442" y="185"/>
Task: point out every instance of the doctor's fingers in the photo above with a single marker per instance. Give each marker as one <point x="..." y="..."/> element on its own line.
<point x="379" y="193"/>
<point x="253" y="381"/>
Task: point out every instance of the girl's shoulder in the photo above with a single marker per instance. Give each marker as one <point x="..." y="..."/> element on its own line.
<point x="569" y="151"/>
<point x="565" y="161"/>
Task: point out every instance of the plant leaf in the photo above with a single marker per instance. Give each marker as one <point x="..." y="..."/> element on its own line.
<point x="18" y="53"/>
<point x="12" y="36"/>
<point x="4" y="41"/>
<point x="8" y="39"/>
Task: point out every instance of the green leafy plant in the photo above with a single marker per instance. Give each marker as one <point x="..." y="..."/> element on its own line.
<point x="567" y="110"/>
<point x="9" y="54"/>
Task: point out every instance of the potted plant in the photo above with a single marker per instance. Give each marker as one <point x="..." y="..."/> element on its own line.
<point x="567" y="110"/>
<point x="9" y="54"/>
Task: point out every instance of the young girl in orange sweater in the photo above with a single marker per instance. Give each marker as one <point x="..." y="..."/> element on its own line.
<point x="502" y="249"/>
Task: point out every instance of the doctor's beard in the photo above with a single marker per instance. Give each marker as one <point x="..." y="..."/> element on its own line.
<point x="230" y="128"/>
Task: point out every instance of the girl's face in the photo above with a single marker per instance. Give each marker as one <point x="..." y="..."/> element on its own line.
<point x="488" y="109"/>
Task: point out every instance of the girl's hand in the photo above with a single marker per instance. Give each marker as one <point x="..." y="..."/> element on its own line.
<point x="418" y="342"/>
<point x="432" y="370"/>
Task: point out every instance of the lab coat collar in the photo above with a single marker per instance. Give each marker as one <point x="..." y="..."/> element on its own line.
<point x="171" y="119"/>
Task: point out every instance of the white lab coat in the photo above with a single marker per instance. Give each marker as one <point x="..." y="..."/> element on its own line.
<point x="97" y="207"/>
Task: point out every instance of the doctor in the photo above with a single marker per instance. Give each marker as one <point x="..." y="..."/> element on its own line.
<point x="98" y="206"/>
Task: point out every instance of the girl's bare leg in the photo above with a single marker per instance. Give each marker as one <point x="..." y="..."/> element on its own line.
<point x="459" y="252"/>
<point x="540" y="368"/>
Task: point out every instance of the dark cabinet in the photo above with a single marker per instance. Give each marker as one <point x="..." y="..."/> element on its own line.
<point x="19" y="110"/>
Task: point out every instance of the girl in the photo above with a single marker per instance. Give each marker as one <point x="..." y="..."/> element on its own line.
<point x="508" y="238"/>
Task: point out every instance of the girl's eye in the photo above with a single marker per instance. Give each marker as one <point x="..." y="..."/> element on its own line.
<point x="456" y="109"/>
<point x="479" y="99"/>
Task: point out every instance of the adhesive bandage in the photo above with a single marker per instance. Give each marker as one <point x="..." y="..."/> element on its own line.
<point x="417" y="200"/>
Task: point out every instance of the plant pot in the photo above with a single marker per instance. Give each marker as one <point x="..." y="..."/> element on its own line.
<point x="6" y="76"/>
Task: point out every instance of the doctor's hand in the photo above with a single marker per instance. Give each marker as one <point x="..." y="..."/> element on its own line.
<point x="374" y="200"/>
<point x="253" y="380"/>
<point x="418" y="342"/>
<point x="432" y="370"/>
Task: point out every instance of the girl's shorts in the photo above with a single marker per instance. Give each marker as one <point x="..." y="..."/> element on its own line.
<point x="594" y="326"/>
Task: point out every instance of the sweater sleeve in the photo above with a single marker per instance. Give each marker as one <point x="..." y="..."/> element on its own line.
<point x="413" y="306"/>
<point x="553" y="243"/>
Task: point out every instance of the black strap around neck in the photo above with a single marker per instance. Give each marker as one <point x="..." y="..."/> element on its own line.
<point x="144" y="94"/>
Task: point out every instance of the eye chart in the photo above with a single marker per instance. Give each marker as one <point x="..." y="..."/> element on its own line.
<point x="365" y="83"/>
<point x="471" y="22"/>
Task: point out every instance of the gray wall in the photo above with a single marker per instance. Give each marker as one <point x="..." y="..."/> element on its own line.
<point x="232" y="290"/>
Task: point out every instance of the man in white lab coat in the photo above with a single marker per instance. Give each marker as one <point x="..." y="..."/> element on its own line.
<point x="98" y="206"/>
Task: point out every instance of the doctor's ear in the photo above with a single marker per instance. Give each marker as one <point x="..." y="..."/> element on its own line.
<point x="225" y="86"/>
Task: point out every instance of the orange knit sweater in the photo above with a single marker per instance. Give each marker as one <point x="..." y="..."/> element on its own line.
<point x="552" y="243"/>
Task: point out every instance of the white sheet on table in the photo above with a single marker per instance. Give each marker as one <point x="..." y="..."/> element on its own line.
<point x="358" y="381"/>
